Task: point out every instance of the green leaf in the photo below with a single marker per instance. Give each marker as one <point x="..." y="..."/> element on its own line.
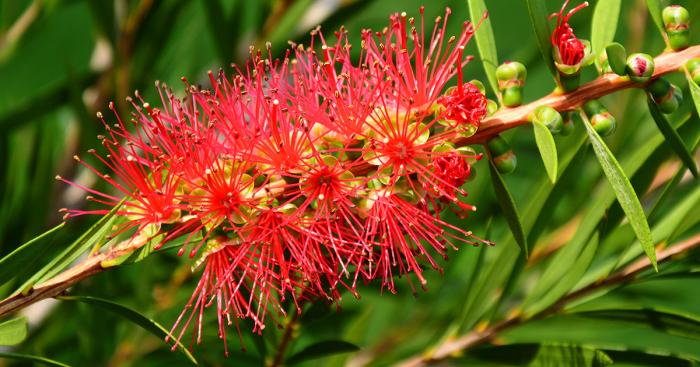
<point x="90" y="239"/>
<point x="604" y="25"/>
<point x="35" y="359"/>
<point x="133" y="316"/>
<point x="672" y="137"/>
<point x="538" y="17"/>
<point x="654" y="7"/>
<point x="485" y="41"/>
<point x="508" y="207"/>
<point x="617" y="58"/>
<point x="22" y="257"/>
<point x="322" y="349"/>
<point x="548" y="150"/>
<point x="694" y="91"/>
<point x="650" y="331"/>
<point x="539" y="355"/>
<point x="624" y="191"/>
<point x="13" y="331"/>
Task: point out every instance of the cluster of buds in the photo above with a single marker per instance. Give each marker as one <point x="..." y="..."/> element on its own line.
<point x="304" y="175"/>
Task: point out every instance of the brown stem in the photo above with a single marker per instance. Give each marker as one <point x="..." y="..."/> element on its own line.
<point x="476" y="338"/>
<point x="286" y="340"/>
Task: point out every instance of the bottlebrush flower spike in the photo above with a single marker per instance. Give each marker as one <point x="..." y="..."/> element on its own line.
<point x="419" y="67"/>
<point x="297" y="178"/>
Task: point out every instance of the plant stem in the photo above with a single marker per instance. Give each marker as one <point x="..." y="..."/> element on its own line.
<point x="286" y="340"/>
<point x="504" y="119"/>
<point x="475" y="338"/>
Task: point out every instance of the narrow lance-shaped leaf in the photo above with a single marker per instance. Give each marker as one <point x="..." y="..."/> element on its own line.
<point x="672" y="137"/>
<point x="538" y="17"/>
<point x="133" y="316"/>
<point x="29" y="358"/>
<point x="654" y="7"/>
<point x="548" y="150"/>
<point x="22" y="256"/>
<point x="485" y="41"/>
<point x="694" y="91"/>
<point x="507" y="205"/>
<point x="623" y="191"/>
<point x="617" y="58"/>
<point x="13" y="331"/>
<point x="604" y="25"/>
<point x="322" y="349"/>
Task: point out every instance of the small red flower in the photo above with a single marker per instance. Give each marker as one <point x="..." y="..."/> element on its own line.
<point x="464" y="104"/>
<point x="570" y="49"/>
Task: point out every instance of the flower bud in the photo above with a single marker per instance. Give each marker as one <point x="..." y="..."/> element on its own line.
<point x="602" y="121"/>
<point x="640" y="67"/>
<point x="502" y="155"/>
<point x="549" y="117"/>
<point x="693" y="66"/>
<point x="676" y="20"/>
<point x="665" y="95"/>
<point x="511" y="80"/>
<point x="491" y="107"/>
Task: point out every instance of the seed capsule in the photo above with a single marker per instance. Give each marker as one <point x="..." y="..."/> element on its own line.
<point x="640" y="67"/>
<point x="676" y="20"/>
<point x="665" y="95"/>
<point x="511" y="80"/>
<point x="602" y="121"/>
<point x="549" y="117"/>
<point x="502" y="155"/>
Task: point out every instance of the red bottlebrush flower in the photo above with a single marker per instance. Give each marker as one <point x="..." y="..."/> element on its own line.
<point x="419" y="67"/>
<point x="304" y="176"/>
<point x="464" y="104"/>
<point x="570" y="49"/>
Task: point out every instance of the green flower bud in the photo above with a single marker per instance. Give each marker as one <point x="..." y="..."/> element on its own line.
<point x="640" y="67"/>
<point x="511" y="79"/>
<point x="602" y="121"/>
<point x="676" y="20"/>
<point x="693" y="66"/>
<point x="513" y="96"/>
<point x="502" y="155"/>
<point x="665" y="95"/>
<point x="479" y="85"/>
<point x="491" y="107"/>
<point x="549" y="117"/>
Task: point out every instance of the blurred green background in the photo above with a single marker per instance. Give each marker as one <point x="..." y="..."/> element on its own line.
<point x="61" y="61"/>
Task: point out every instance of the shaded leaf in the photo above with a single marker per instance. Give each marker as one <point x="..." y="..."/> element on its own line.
<point x="604" y="25"/>
<point x="133" y="316"/>
<point x="13" y="331"/>
<point x="23" y="256"/>
<point x="617" y="58"/>
<point x="508" y="207"/>
<point x="322" y="349"/>
<point x="30" y="358"/>
<point x="654" y="7"/>
<point x="624" y="191"/>
<point x="694" y="92"/>
<point x="548" y="150"/>
<point x="538" y="18"/>
<point x="540" y="355"/>
<point x="485" y="41"/>
<point x="672" y="137"/>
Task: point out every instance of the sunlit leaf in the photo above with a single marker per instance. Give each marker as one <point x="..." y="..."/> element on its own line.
<point x="538" y="18"/>
<point x="485" y="41"/>
<point x="548" y="150"/>
<point x="13" y="331"/>
<point x="604" y="25"/>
